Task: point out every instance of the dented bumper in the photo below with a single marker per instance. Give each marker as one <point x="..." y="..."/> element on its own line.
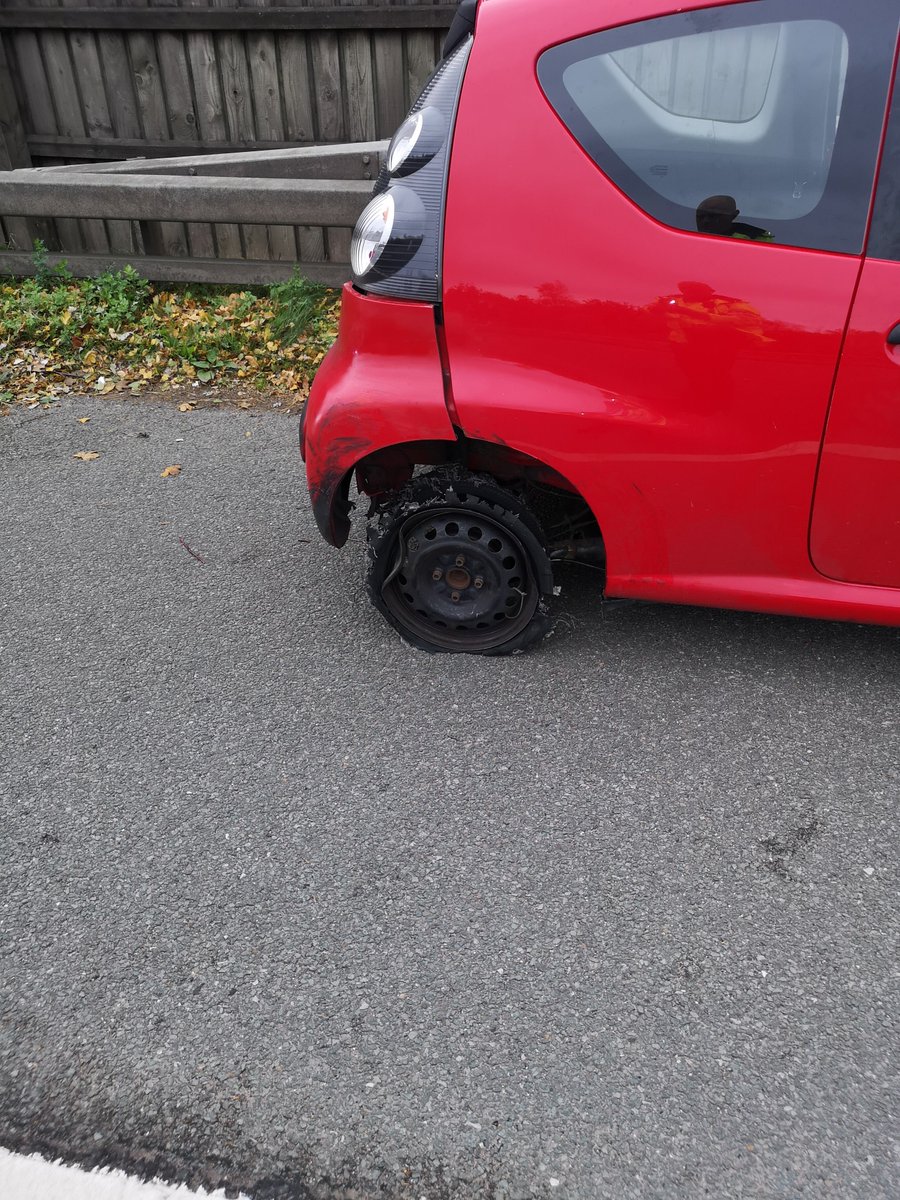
<point x="380" y="385"/>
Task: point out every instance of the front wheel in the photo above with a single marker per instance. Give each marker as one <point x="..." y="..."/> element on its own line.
<point x="458" y="564"/>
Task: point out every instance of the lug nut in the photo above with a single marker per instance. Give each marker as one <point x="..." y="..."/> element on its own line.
<point x="460" y="561"/>
<point x="455" y="597"/>
<point x="479" y="582"/>
<point x="437" y="574"/>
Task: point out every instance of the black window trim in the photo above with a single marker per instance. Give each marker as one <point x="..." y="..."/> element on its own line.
<point x="838" y="222"/>
<point x="884" y="234"/>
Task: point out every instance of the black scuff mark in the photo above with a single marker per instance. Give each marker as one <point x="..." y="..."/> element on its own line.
<point x="780" y="852"/>
<point x="204" y="1143"/>
<point x="298" y="1175"/>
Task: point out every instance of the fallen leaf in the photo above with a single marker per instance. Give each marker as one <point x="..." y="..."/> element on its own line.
<point x="86" y="455"/>
<point x="185" y="407"/>
<point x="83" y="420"/>
<point x="171" y="472"/>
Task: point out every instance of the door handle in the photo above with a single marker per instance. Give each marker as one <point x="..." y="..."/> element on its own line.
<point x="894" y="336"/>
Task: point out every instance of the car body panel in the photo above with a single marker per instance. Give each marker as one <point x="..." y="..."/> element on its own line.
<point x="381" y="383"/>
<point x="856" y="517"/>
<point x="681" y="382"/>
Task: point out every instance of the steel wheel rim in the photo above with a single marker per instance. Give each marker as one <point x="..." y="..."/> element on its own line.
<point x="457" y="552"/>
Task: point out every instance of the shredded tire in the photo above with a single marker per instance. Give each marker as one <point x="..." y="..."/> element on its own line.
<point x="477" y="498"/>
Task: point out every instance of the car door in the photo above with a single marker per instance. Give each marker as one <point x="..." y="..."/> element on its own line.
<point x="856" y="516"/>
<point x="609" y="312"/>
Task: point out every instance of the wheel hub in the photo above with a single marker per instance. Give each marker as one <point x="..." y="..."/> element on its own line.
<point x="458" y="578"/>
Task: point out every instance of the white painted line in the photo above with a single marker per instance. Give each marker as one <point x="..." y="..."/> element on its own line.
<point x="33" y="1178"/>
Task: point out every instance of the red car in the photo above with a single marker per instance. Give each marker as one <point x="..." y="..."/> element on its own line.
<point x="628" y="294"/>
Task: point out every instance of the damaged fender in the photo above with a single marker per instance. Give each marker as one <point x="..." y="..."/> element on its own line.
<point x="381" y="384"/>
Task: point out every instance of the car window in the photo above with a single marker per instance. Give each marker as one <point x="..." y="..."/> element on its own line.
<point x="759" y="122"/>
<point x="884" y="239"/>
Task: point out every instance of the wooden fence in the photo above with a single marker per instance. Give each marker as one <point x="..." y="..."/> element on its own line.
<point x="89" y="81"/>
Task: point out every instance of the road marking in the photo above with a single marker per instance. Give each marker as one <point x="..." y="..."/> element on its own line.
<point x="33" y="1178"/>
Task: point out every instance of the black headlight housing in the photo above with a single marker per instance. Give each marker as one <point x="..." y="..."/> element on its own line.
<point x="397" y="243"/>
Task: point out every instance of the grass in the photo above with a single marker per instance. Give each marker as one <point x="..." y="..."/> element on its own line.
<point x="297" y="304"/>
<point x="117" y="333"/>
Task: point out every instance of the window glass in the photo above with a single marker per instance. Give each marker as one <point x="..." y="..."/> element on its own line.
<point x="884" y="240"/>
<point x="758" y="121"/>
<point x="724" y="75"/>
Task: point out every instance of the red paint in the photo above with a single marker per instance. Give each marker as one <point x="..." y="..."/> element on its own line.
<point x="856" y="519"/>
<point x="681" y="383"/>
<point x="380" y="384"/>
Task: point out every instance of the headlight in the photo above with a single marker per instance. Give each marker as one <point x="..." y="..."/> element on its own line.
<point x="417" y="141"/>
<point x="389" y="233"/>
<point x="372" y="233"/>
<point x="404" y="142"/>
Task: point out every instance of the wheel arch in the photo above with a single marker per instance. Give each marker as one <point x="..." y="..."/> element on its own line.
<point x="389" y="468"/>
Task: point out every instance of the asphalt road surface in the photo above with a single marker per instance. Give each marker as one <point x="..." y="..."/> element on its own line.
<point x="291" y="907"/>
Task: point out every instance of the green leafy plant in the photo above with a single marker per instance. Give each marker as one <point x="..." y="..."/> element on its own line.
<point x="118" y="297"/>
<point x="298" y="304"/>
<point x="45" y="275"/>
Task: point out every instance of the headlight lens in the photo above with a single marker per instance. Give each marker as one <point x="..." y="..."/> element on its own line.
<point x="372" y="233"/>
<point x="417" y="141"/>
<point x="404" y="142"/>
<point x="389" y="234"/>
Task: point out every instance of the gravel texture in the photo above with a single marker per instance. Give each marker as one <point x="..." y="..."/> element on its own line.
<point x="290" y="907"/>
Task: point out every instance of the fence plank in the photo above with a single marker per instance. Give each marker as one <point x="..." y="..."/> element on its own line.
<point x="56" y="77"/>
<point x="300" y="123"/>
<point x="331" y="111"/>
<point x="87" y="77"/>
<point x="180" y="270"/>
<point x="212" y="125"/>
<point x="326" y="60"/>
<point x="266" y="84"/>
<point x="13" y="144"/>
<point x="420" y="62"/>
<point x="389" y="85"/>
<point x="36" y="110"/>
<point x="97" y="121"/>
<point x="297" y="88"/>
<point x="165" y="238"/>
<point x="176" y="78"/>
<point x="358" y="87"/>
<point x="124" y="237"/>
<point x="13" y="150"/>
<point x="238" y="100"/>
